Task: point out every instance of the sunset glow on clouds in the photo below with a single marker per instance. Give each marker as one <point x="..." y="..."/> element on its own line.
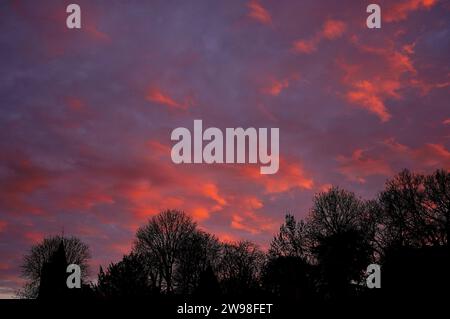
<point x="332" y="29"/>
<point x="258" y="12"/>
<point x="86" y="116"/>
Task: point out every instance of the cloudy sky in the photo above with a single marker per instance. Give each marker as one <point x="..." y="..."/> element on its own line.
<point x="86" y="115"/>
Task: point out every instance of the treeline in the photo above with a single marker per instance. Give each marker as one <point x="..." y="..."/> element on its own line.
<point x="321" y="258"/>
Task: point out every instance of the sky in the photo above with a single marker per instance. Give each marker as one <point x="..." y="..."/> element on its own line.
<point x="86" y="114"/>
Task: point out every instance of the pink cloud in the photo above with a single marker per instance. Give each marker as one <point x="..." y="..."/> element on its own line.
<point x="158" y="96"/>
<point x="253" y="223"/>
<point x="359" y="166"/>
<point x="371" y="88"/>
<point x="275" y="87"/>
<point x="258" y="12"/>
<point x="430" y="155"/>
<point x="400" y="10"/>
<point x="23" y="178"/>
<point x="331" y="30"/>
<point x="200" y="213"/>
<point x="3" y="225"/>
<point x="371" y="95"/>
<point x="291" y="175"/>
<point x="306" y="46"/>
<point x="211" y="191"/>
<point x="34" y="236"/>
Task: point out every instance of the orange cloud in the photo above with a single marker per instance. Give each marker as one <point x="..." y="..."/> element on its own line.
<point x="22" y="179"/>
<point x="324" y="187"/>
<point x="276" y="87"/>
<point x="290" y="175"/>
<point x="146" y="200"/>
<point x="26" y="177"/>
<point x="253" y="223"/>
<point x="371" y="88"/>
<point x="400" y="11"/>
<point x="306" y="46"/>
<point x="34" y="237"/>
<point x="212" y="192"/>
<point x="200" y="213"/>
<point x="258" y="12"/>
<point x="425" y="86"/>
<point x="226" y="237"/>
<point x="430" y="155"/>
<point x="186" y="190"/>
<point x="159" y="148"/>
<point x="370" y="95"/>
<point x="157" y="202"/>
<point x="397" y="59"/>
<point x="252" y="202"/>
<point x="160" y="97"/>
<point x="435" y="155"/>
<point x="2" y="225"/>
<point x="401" y="62"/>
<point x="86" y="199"/>
<point x="331" y="30"/>
<point x="359" y="166"/>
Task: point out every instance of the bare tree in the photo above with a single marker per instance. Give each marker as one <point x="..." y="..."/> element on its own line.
<point x="199" y="252"/>
<point x="415" y="210"/>
<point x="401" y="203"/>
<point x="337" y="211"/>
<point x="76" y="251"/>
<point x="437" y="202"/>
<point x="240" y="266"/>
<point x="162" y="239"/>
<point x="292" y="239"/>
<point x="342" y="230"/>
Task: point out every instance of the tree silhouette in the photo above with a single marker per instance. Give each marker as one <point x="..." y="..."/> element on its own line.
<point x="292" y="240"/>
<point x="208" y="288"/>
<point x="341" y="231"/>
<point x="162" y="241"/>
<point x="199" y="252"/>
<point x="337" y="211"/>
<point x="76" y="252"/>
<point x="290" y="278"/>
<point x="437" y="202"/>
<point x="342" y="258"/>
<point x="414" y="236"/>
<point x="125" y="279"/>
<point x="415" y="210"/>
<point x="240" y="267"/>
